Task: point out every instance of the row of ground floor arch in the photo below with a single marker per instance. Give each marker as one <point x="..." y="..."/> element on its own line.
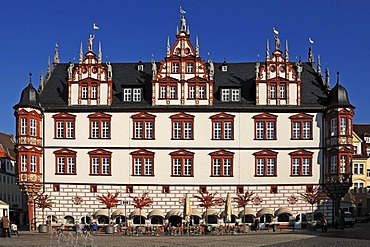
<point x="174" y="217"/>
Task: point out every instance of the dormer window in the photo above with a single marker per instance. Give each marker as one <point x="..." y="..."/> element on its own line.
<point x="224" y="68"/>
<point x="367" y="139"/>
<point x="232" y="95"/>
<point x="140" y="67"/>
<point x="132" y="94"/>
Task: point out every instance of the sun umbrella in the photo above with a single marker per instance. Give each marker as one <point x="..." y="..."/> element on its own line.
<point x="187" y="209"/>
<point x="228" y="208"/>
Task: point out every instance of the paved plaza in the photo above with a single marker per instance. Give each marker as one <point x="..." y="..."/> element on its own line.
<point x="358" y="236"/>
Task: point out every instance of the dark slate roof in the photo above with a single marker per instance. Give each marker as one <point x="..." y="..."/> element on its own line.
<point x="7" y="144"/>
<point x="362" y="130"/>
<point x="338" y="96"/>
<point x="29" y="97"/>
<point x="54" y="97"/>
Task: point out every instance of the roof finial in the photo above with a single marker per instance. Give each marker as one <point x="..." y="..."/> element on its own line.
<point x="41" y="85"/>
<point x="48" y="70"/>
<point x="327" y="77"/>
<point x="319" y="65"/>
<point x="30" y="74"/>
<point x="81" y="53"/>
<point x="99" y="54"/>
<point x="338" y="81"/>
<point x="168" y="46"/>
<point x="56" y="55"/>
<point x="182" y="20"/>
<point x="90" y="42"/>
<point x="267" y="49"/>
<point x="310" y="56"/>
<point x="286" y="51"/>
<point x="197" y="47"/>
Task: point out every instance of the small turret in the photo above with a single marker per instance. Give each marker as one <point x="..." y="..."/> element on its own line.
<point x="168" y="47"/>
<point x="310" y="56"/>
<point x="267" y="50"/>
<point x="41" y="85"/>
<point x="56" y="55"/>
<point x="100" y="55"/>
<point x="48" y="70"/>
<point x="197" y="47"/>
<point x="81" y="54"/>
<point x="286" y="51"/>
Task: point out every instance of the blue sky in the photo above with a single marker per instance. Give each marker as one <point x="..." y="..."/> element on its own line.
<point x="235" y="29"/>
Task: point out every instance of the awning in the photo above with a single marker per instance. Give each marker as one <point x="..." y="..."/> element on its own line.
<point x="264" y="211"/>
<point x="174" y="212"/>
<point x="248" y="211"/>
<point x="196" y="212"/>
<point x="118" y="212"/>
<point x="101" y="212"/>
<point x="283" y="210"/>
<point x="210" y="212"/>
<point x="136" y="213"/>
<point x="156" y="212"/>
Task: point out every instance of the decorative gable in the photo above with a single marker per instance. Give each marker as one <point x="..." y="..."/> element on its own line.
<point x="265" y="116"/>
<point x="301" y="116"/>
<point x="182" y="152"/>
<point x="99" y="151"/>
<point x="222" y="115"/>
<point x="143" y="115"/>
<point x="265" y="152"/>
<point x="301" y="152"/>
<point x="182" y="115"/>
<point x="142" y="152"/>
<point x="221" y="152"/>
<point x="182" y="78"/>
<point x="89" y="82"/>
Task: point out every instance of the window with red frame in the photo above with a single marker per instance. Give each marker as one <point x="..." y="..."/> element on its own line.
<point x="273" y="189"/>
<point x="222" y="126"/>
<point x="182" y="126"/>
<point x="301" y="163"/>
<point x="165" y="189"/>
<point x="182" y="163"/>
<point x="65" y="162"/>
<point x="88" y="90"/>
<point x="100" y="162"/>
<point x="265" y="163"/>
<point x="30" y="160"/>
<point x="301" y="127"/>
<point x="100" y="125"/>
<point x="129" y="189"/>
<point x="240" y="189"/>
<point x="142" y="163"/>
<point x="56" y="187"/>
<point x="309" y="188"/>
<point x="93" y="188"/>
<point x="222" y="163"/>
<point x="192" y="89"/>
<point x="203" y="188"/>
<point x="168" y="90"/>
<point x="144" y="126"/>
<point x="29" y="123"/>
<point x="265" y="126"/>
<point x="64" y="126"/>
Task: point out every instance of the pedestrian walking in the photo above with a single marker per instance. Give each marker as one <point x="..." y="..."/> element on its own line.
<point x="6" y="226"/>
<point x="324" y="224"/>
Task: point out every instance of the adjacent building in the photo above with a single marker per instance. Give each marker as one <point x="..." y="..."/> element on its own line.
<point x="180" y="126"/>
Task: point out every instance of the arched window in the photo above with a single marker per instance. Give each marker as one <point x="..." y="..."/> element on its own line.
<point x="139" y="220"/>
<point x="156" y="220"/>
<point x="120" y="219"/>
<point x="212" y="219"/>
<point x="69" y="220"/>
<point x="267" y="217"/>
<point x="283" y="218"/>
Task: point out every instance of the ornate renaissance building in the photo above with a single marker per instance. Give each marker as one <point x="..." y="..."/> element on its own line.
<point x="184" y="125"/>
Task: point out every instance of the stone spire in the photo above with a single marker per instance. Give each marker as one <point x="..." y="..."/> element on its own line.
<point x="338" y="81"/>
<point x="81" y="53"/>
<point x="267" y="50"/>
<point x="197" y="47"/>
<point x="48" y="70"/>
<point x="56" y="55"/>
<point x="286" y="51"/>
<point x="168" y="47"/>
<point x="310" y="56"/>
<point x="99" y="54"/>
<point x="41" y="85"/>
<point x="327" y="77"/>
<point x="319" y="65"/>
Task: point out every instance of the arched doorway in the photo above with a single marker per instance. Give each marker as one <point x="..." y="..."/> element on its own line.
<point x="120" y="220"/>
<point x="156" y="220"/>
<point x="283" y="217"/>
<point x="175" y="220"/>
<point x="248" y="219"/>
<point x="212" y="219"/>
<point x="139" y="220"/>
<point x="69" y="220"/>
<point x="103" y="219"/>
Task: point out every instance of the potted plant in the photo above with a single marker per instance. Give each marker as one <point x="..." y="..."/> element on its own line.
<point x="43" y="201"/>
<point x="110" y="201"/>
<point x="142" y="202"/>
<point x="242" y="201"/>
<point x="208" y="200"/>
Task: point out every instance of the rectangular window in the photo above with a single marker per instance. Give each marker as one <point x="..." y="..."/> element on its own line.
<point x="296" y="130"/>
<point x="295" y="167"/>
<point x="93" y="188"/>
<point x="105" y="166"/>
<point x="190" y="68"/>
<point x="306" y="130"/>
<point x="23" y="163"/>
<point x="187" y="167"/>
<point x="217" y="130"/>
<point x="148" y="130"/>
<point x="60" y="129"/>
<point x="175" y="68"/>
<point x="94" y="129"/>
<point x="24" y="126"/>
<point x="177" y="130"/>
<point x="127" y="94"/>
<point x="33" y="163"/>
<point x="355" y="168"/>
<point x="95" y="165"/>
<point x="274" y="189"/>
<point x="138" y="130"/>
<point x="188" y="130"/>
<point x="71" y="165"/>
<point x="137" y="94"/>
<point x="165" y="189"/>
<point x="272" y="92"/>
<point x="70" y="129"/>
<point x="260" y="130"/>
<point x="105" y="129"/>
<point x="227" y="167"/>
<point x="177" y="167"/>
<point x="173" y="94"/>
<point x="343" y="126"/>
<point x="33" y="127"/>
<point x="333" y="164"/>
<point x="361" y="169"/>
<point x="216" y="167"/>
<point x="270" y="167"/>
<point x="260" y="167"/>
<point x="333" y="127"/>
<point x="202" y="92"/>
<point x="56" y="187"/>
<point x="61" y="165"/>
<point x="282" y="92"/>
<point x="163" y="92"/>
<point x="225" y="95"/>
<point x="270" y="133"/>
<point x="94" y="92"/>
<point x="84" y="93"/>
<point x="137" y="166"/>
<point x="148" y="166"/>
<point x="306" y="164"/>
<point x="192" y="92"/>
<point x="228" y="130"/>
<point x="235" y="95"/>
<point x="342" y="164"/>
